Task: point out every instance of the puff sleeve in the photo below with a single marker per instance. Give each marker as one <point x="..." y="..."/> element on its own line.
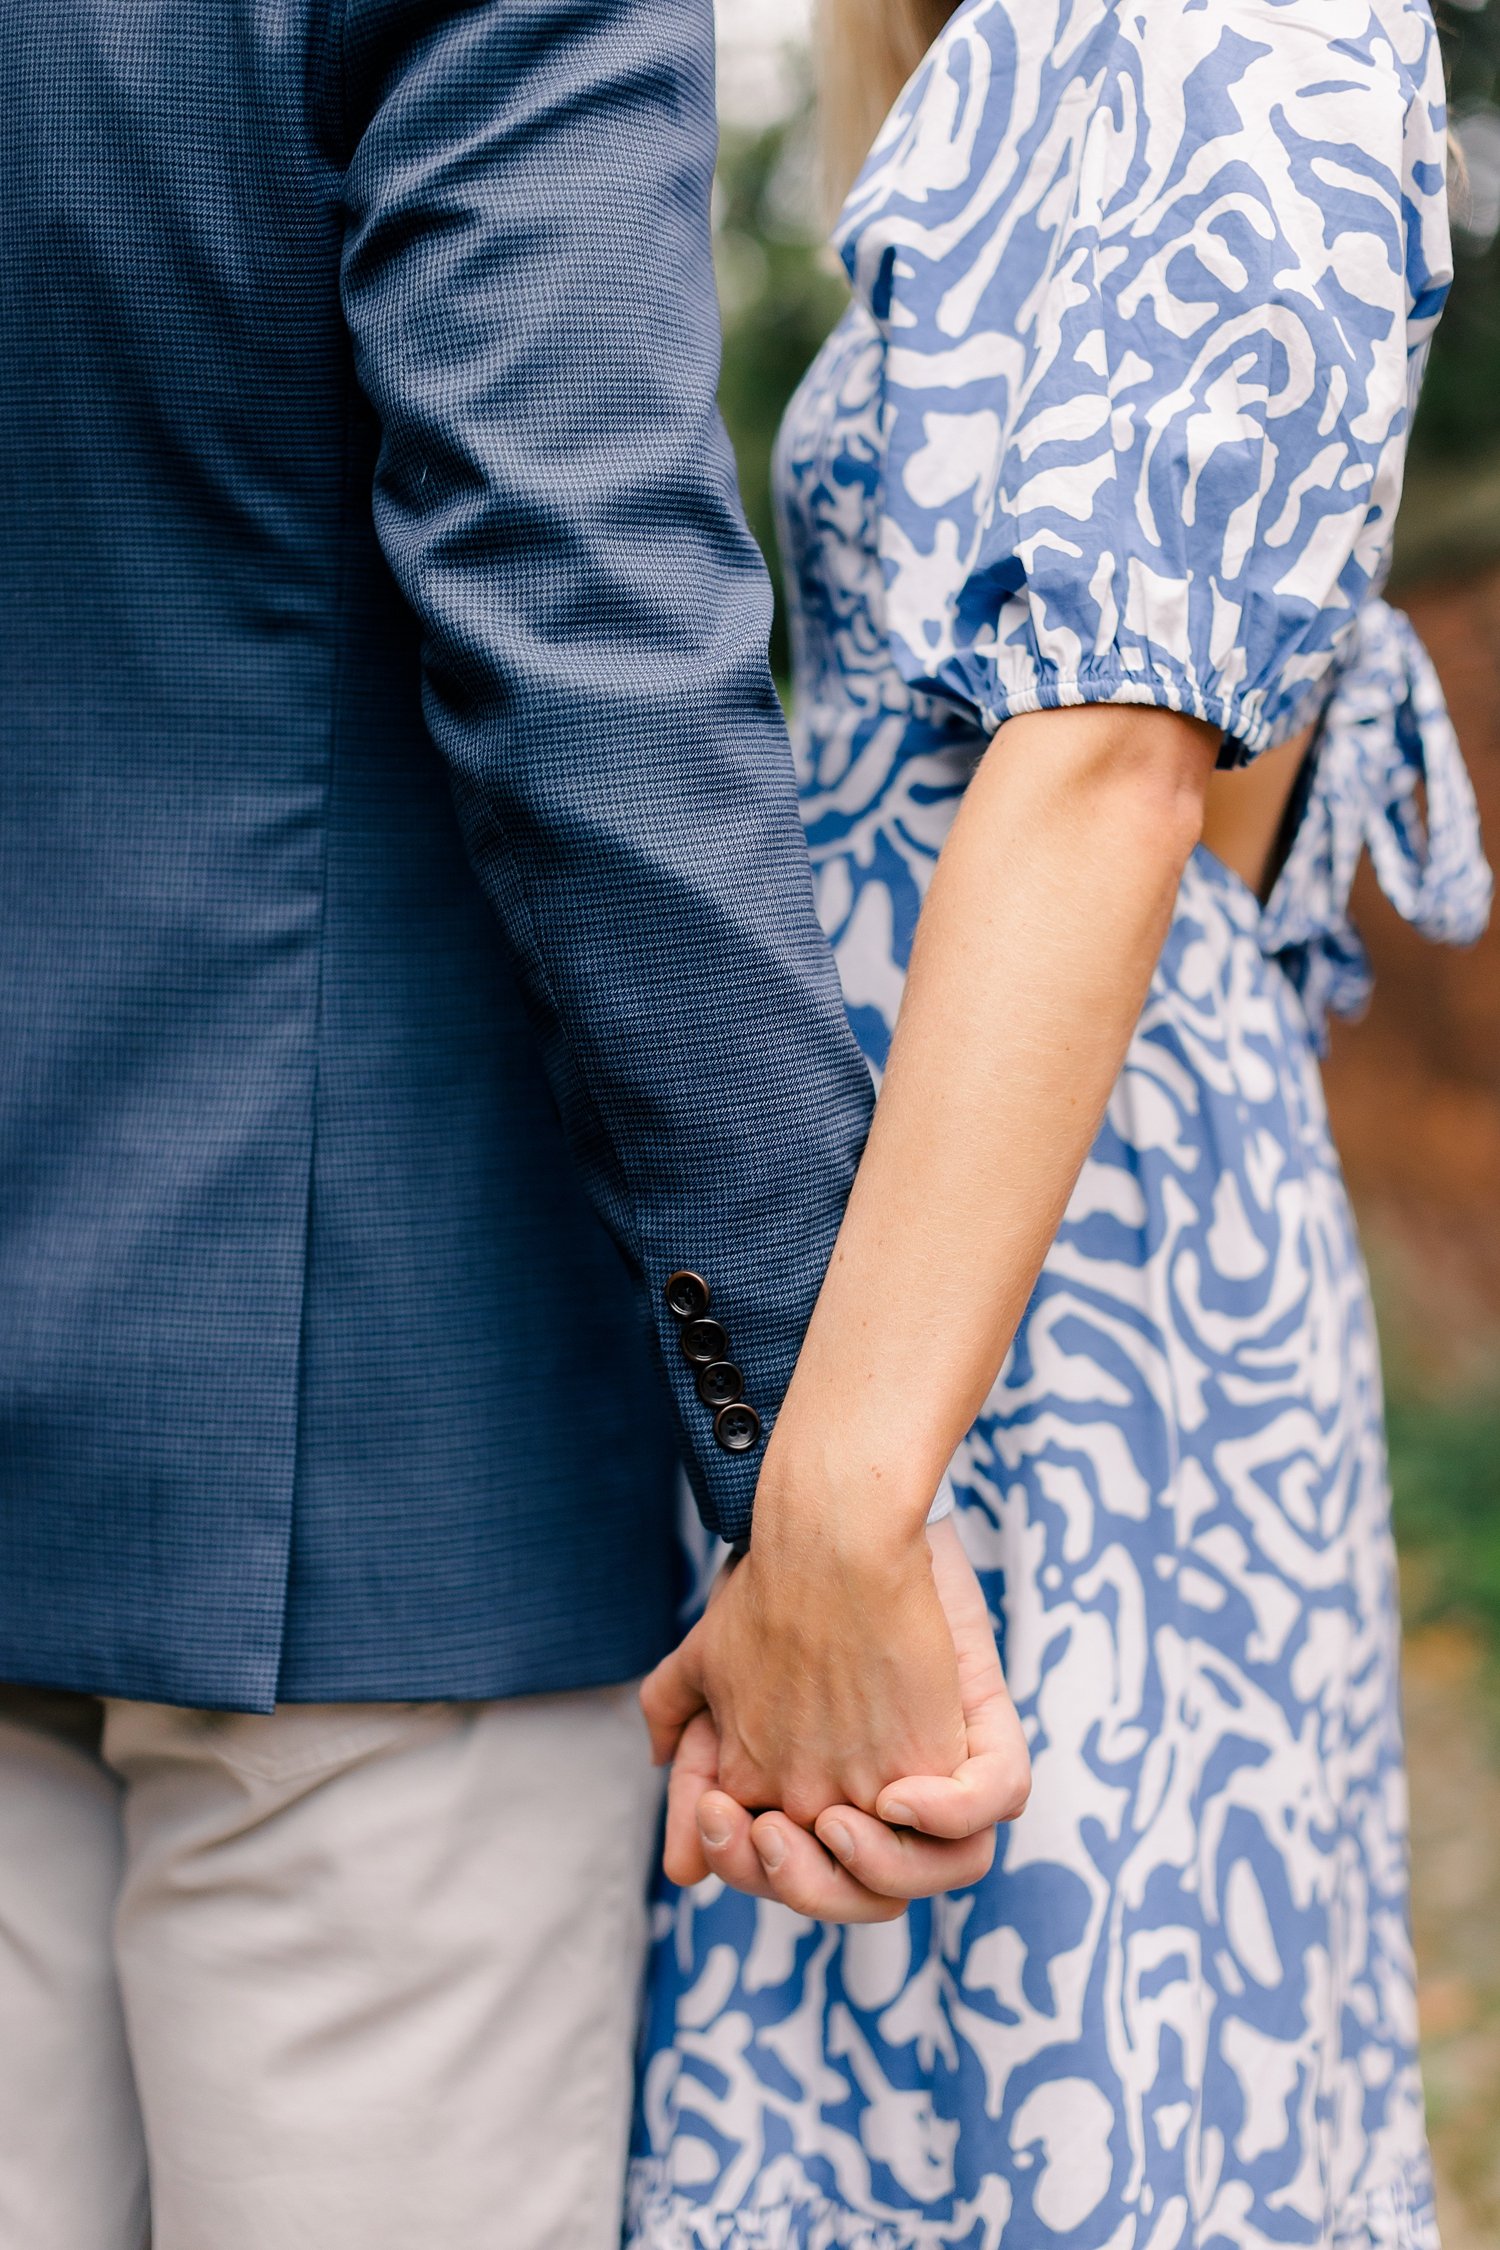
<point x="1155" y="285"/>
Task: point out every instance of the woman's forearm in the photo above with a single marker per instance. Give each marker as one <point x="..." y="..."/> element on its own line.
<point x="1043" y="925"/>
<point x="827" y="1662"/>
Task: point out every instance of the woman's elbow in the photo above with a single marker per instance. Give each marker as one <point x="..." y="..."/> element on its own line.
<point x="1136" y="772"/>
<point x="1166" y="779"/>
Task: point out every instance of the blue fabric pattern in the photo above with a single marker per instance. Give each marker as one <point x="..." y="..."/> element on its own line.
<point x="1118" y="413"/>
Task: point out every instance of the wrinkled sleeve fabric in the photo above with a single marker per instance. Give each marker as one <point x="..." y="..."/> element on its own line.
<point x="528" y="288"/>
<point x="1155" y="284"/>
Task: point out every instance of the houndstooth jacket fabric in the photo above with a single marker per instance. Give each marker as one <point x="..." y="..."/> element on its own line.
<point x="407" y="949"/>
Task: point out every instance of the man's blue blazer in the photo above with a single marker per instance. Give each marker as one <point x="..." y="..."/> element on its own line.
<point x="407" y="949"/>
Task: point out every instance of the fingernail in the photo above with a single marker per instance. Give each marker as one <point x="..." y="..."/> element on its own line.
<point x="838" y="1839"/>
<point x="714" y="1829"/>
<point x="901" y="1816"/>
<point x="771" y="1847"/>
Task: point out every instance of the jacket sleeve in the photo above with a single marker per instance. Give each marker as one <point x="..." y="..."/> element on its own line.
<point x="528" y="287"/>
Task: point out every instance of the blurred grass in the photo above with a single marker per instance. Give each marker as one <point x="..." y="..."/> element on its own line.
<point x="1444" y="1435"/>
<point x="1445" y="1476"/>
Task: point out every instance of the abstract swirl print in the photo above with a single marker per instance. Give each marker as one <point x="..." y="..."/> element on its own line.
<point x="1118" y="412"/>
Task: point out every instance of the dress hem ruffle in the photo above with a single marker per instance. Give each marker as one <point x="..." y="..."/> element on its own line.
<point x="1400" y="2215"/>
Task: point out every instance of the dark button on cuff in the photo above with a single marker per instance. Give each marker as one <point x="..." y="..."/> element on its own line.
<point x="704" y="1340"/>
<point x="720" y="1383"/>
<point x="705" y="1347"/>
<point x="687" y="1295"/>
<point x="737" y="1428"/>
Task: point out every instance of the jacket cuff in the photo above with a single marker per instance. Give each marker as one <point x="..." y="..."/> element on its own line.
<point x="724" y="1425"/>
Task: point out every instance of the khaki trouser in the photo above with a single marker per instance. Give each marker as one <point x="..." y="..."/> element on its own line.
<point x="361" y="1977"/>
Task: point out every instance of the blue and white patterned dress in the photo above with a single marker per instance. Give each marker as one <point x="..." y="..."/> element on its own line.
<point x="1118" y="413"/>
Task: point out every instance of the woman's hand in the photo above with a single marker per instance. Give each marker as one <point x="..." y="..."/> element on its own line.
<point x="827" y="1666"/>
<point x="857" y="1868"/>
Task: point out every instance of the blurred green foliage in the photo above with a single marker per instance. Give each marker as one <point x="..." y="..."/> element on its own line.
<point x="1445" y="1475"/>
<point x="781" y="293"/>
<point x="1460" y="412"/>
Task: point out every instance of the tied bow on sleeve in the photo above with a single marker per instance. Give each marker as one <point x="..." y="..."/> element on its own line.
<point x="1385" y="733"/>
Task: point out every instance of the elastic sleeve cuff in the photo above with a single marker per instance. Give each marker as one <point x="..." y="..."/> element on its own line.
<point x="1248" y="720"/>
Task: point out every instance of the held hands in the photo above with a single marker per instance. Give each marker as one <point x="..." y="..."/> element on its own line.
<point x="841" y="1735"/>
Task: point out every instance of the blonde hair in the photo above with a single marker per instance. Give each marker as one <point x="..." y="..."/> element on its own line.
<point x="866" y="51"/>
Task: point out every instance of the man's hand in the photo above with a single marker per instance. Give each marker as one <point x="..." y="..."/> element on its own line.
<point x="944" y="1832"/>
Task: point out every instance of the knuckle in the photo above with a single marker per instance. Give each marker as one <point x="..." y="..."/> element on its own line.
<point x="862" y="1790"/>
<point x="1017" y="1793"/>
<point x="802" y="1803"/>
<point x="980" y="1854"/>
<point x="740" y="1777"/>
<point x="794" y="1892"/>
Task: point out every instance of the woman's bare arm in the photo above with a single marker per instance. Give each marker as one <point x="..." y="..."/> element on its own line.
<point x="822" y="1662"/>
<point x="1043" y="925"/>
